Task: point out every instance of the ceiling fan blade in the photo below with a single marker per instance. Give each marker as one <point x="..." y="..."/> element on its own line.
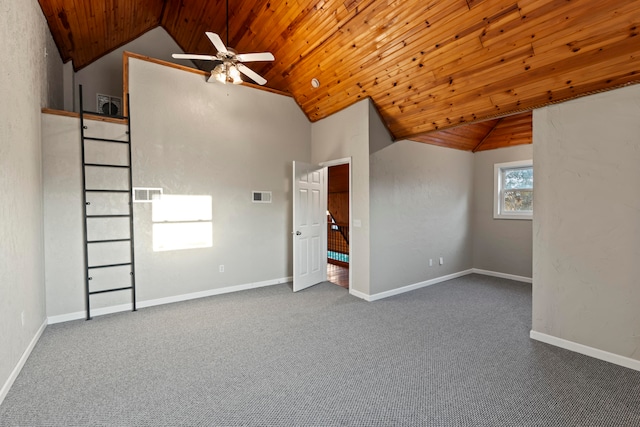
<point x="193" y="56"/>
<point x="250" y="57"/>
<point x="217" y="42"/>
<point x="251" y="74"/>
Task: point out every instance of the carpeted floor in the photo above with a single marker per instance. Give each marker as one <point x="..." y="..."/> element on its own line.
<point x="453" y="354"/>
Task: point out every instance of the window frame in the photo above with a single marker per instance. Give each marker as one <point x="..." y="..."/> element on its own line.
<point x="498" y="191"/>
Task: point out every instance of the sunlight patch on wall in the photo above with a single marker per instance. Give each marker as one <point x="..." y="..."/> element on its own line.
<point x="181" y="222"/>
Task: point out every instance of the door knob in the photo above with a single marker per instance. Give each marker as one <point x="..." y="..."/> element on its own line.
<point x="298" y="233"/>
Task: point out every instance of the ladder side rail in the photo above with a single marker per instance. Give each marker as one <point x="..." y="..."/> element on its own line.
<point x="131" y="241"/>
<point x="84" y="213"/>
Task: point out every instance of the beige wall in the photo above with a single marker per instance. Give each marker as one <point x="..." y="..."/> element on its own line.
<point x="586" y="225"/>
<point x="499" y="245"/>
<point x="420" y="210"/>
<point x="30" y="81"/>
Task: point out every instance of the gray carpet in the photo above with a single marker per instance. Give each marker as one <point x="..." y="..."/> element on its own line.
<point x="453" y="354"/>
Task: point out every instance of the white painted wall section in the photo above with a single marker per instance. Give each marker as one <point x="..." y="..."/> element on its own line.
<point x="421" y="197"/>
<point x="586" y="224"/>
<point x="341" y="135"/>
<point x="30" y="81"/>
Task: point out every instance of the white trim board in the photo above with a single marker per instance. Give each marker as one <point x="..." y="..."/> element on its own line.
<point x="408" y="288"/>
<point x="502" y="275"/>
<point x="616" y="359"/>
<point x="167" y="300"/>
<point x="430" y="282"/>
<point x="16" y="371"/>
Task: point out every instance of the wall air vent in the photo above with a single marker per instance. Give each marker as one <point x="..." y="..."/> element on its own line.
<point x="145" y="194"/>
<point x="261" y="197"/>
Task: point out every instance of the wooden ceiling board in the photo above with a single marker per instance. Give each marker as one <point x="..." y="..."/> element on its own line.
<point x="487" y="135"/>
<point x="86" y="30"/>
<point x="464" y="137"/>
<point x="427" y="65"/>
<point x="509" y="131"/>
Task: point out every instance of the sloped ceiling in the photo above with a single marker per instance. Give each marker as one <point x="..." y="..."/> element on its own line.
<point x="427" y="65"/>
<point x="488" y="135"/>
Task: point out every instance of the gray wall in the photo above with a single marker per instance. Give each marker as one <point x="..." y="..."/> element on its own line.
<point x="499" y="245"/>
<point x="190" y="138"/>
<point x="29" y="82"/>
<point x="420" y="209"/>
<point x="379" y="136"/>
<point x="105" y="75"/>
<point x="586" y="225"/>
<point x="346" y="134"/>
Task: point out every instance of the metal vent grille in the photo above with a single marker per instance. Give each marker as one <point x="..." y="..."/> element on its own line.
<point x="261" y="197"/>
<point x="145" y="194"/>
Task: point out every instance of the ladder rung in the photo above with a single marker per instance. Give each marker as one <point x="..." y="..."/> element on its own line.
<point x="91" y="138"/>
<point x="108" y="241"/>
<point x="99" y="190"/>
<point x="109" y="290"/>
<point x="109" y="216"/>
<point x="102" y="165"/>
<point x="108" y="265"/>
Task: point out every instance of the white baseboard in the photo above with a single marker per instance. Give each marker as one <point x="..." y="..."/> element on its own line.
<point x="167" y="300"/>
<point x="616" y="359"/>
<point x="412" y="287"/>
<point x="14" y="374"/>
<point x="359" y="294"/>
<point x="502" y="275"/>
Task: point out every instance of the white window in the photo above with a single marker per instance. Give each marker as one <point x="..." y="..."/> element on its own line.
<point x="513" y="190"/>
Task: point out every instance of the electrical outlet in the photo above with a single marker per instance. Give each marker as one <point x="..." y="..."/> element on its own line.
<point x="221" y="268"/>
<point x="430" y="262"/>
<point x="441" y="260"/>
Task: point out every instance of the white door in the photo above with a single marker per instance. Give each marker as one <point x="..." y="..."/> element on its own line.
<point x="309" y="225"/>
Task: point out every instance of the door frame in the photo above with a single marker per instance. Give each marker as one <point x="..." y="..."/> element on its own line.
<point x="338" y="162"/>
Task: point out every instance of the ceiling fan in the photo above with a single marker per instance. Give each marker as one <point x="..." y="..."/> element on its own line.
<point x="230" y="62"/>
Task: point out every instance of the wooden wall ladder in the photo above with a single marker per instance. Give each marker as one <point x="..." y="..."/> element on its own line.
<point x="107" y="206"/>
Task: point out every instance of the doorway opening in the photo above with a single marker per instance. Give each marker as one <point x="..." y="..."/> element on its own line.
<point x="338" y="236"/>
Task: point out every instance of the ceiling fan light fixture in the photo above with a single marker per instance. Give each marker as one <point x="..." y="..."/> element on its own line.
<point x="219" y="73"/>
<point x="234" y="75"/>
<point x="231" y="62"/>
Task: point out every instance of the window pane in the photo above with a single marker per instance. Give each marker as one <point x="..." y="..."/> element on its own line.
<point x="518" y="178"/>
<point x="518" y="201"/>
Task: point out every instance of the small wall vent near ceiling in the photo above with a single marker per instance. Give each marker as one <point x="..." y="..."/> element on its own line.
<point x="145" y="194"/>
<point x="109" y="105"/>
<point x="261" y="197"/>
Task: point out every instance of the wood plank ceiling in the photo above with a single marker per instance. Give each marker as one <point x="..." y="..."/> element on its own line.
<point x="427" y="65"/>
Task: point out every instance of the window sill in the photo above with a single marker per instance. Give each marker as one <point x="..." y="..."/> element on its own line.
<point x="520" y="217"/>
